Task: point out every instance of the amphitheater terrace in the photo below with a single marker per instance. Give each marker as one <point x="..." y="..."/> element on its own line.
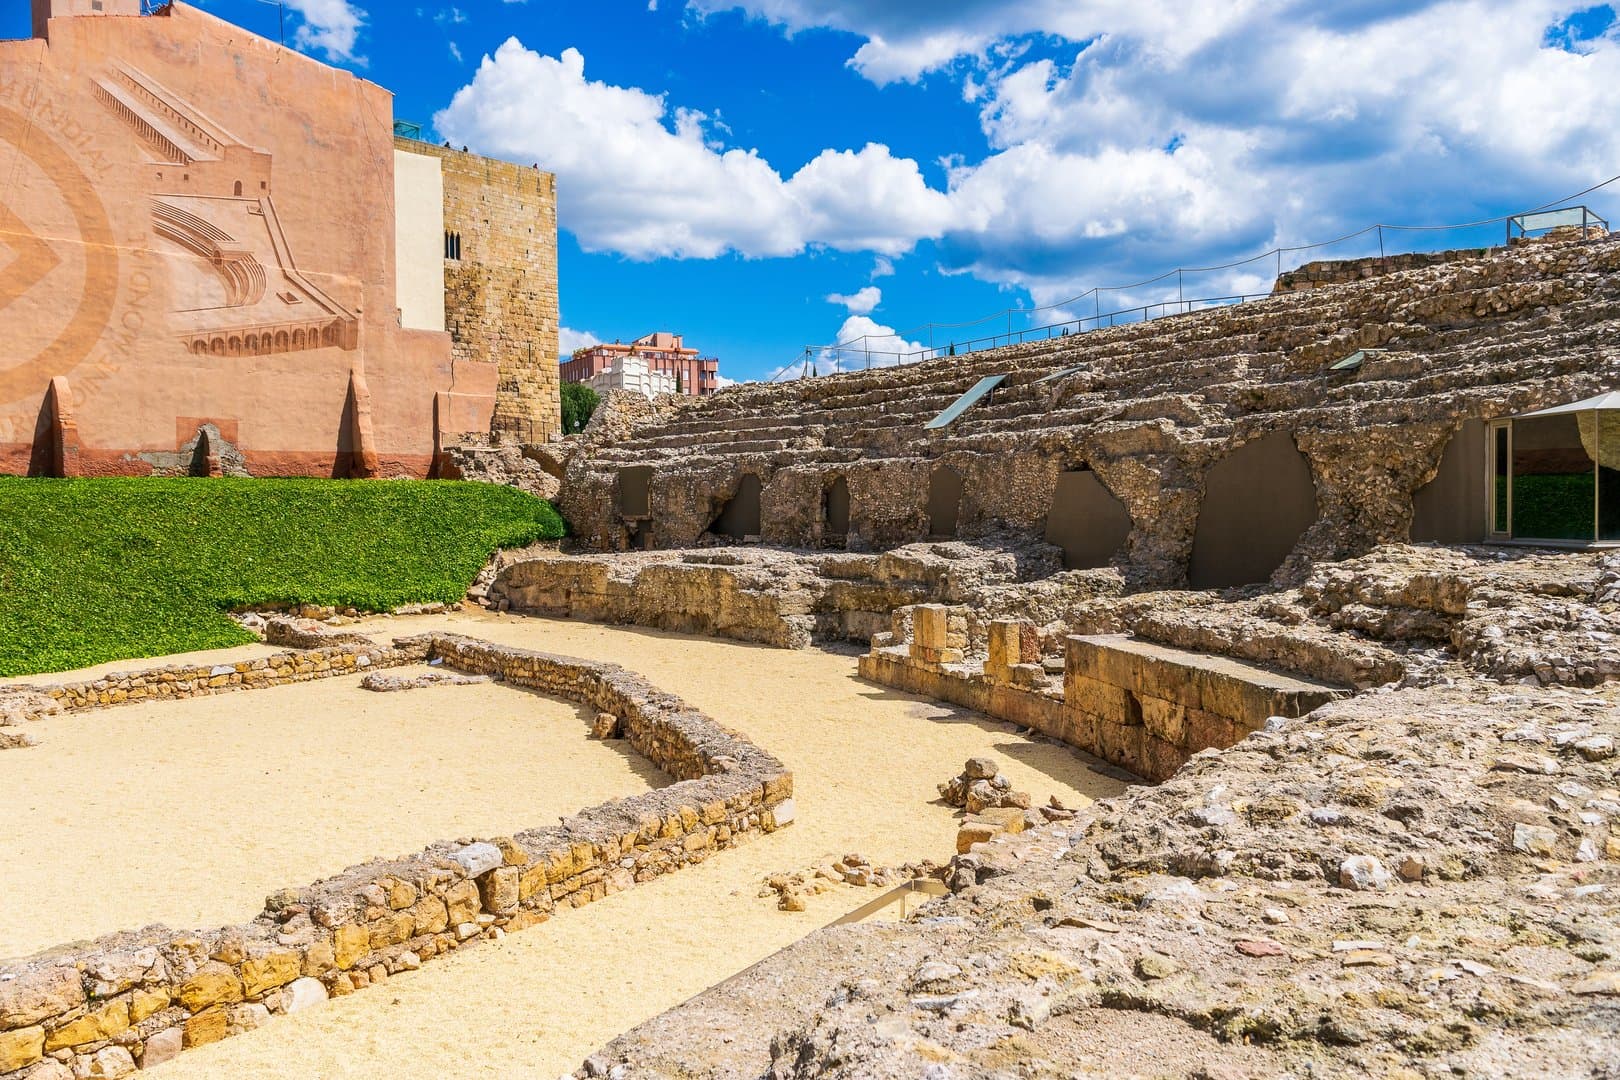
<point x="1299" y="562"/>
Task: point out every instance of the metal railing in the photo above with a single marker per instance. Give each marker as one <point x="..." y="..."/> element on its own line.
<point x="859" y="353"/>
<point x="1098" y="321"/>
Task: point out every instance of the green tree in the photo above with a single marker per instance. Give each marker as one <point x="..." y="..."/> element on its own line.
<point x="578" y="403"/>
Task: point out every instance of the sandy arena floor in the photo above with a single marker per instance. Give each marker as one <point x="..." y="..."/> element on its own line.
<point x="190" y="812"/>
<point x="866" y="761"/>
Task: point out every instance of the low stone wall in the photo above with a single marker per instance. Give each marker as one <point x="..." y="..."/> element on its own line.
<point x="1144" y="707"/>
<point x="692" y="599"/>
<point x="173" y="681"/>
<point x="139" y="998"/>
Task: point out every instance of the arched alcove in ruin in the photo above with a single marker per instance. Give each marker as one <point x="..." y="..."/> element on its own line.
<point x="944" y="501"/>
<point x="635" y="483"/>
<point x="740" y="516"/>
<point x="835" y="508"/>
<point x="1450" y="509"/>
<point x="1086" y="520"/>
<point x="1258" y="501"/>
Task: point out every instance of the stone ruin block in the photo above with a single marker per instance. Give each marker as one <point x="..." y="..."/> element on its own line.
<point x="1027" y="676"/>
<point x="1012" y="643"/>
<point x="938" y="634"/>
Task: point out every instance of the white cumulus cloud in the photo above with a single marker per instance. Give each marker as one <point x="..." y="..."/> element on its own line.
<point x="1120" y="138"/>
<point x="861" y="302"/>
<point x="645" y="179"/>
<point x="330" y="27"/>
<point x="569" y="339"/>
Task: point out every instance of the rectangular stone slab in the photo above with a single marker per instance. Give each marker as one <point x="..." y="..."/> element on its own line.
<point x="1241" y="691"/>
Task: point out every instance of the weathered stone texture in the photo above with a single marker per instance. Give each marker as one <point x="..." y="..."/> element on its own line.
<point x="1342" y="896"/>
<point x="751" y="594"/>
<point x="1150" y="408"/>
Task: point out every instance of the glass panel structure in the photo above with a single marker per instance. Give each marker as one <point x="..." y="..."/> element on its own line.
<point x="965" y="402"/>
<point x="1500" y="466"/>
<point x="1605" y="425"/>
<point x="1554" y="489"/>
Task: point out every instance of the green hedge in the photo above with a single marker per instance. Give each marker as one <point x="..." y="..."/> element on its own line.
<point x="98" y="570"/>
<point x="1553" y="506"/>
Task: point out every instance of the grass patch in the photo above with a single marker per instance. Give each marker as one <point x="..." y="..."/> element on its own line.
<point x="99" y="570"/>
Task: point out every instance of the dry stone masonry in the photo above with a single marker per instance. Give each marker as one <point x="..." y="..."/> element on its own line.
<point x="139" y="998"/>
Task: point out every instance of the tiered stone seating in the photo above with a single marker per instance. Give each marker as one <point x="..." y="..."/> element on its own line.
<point x="1149" y="406"/>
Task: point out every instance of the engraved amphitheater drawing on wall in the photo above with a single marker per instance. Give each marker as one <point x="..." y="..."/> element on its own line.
<point x="239" y="293"/>
<point x="32" y="258"/>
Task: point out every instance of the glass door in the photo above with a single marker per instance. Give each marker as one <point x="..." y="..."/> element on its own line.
<point x="1500" y="479"/>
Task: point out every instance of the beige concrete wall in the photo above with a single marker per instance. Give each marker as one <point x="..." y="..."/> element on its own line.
<point x="419" y="240"/>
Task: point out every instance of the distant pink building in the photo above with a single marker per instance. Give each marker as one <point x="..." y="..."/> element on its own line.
<point x="664" y="353"/>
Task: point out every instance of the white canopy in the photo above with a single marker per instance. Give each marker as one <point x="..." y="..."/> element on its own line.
<point x="1611" y="400"/>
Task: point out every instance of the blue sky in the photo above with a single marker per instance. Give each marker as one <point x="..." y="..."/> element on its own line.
<point x="726" y="166"/>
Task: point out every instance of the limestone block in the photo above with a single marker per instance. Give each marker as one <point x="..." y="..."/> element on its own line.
<point x="110" y="1063"/>
<point x="104" y="1023"/>
<point x="163" y="1047"/>
<point x="785" y="812"/>
<point x="120" y="971"/>
<point x="401" y="895"/>
<point x="146" y="1002"/>
<point x="1096" y="659"/>
<point x="304" y="993"/>
<point x="429" y="916"/>
<point x="975" y="832"/>
<point x="499" y="890"/>
<point x="1161" y="759"/>
<point x="1165" y="719"/>
<point x="392" y="929"/>
<point x="1004" y="649"/>
<point x="463" y="902"/>
<point x="206" y="1027"/>
<point x="39" y="995"/>
<point x="21" y="1048"/>
<point x="213" y="984"/>
<point x="1094" y="697"/>
<point x="531" y="880"/>
<point x="1120" y="743"/>
<point x="477" y="859"/>
<point x="247" y="1017"/>
<point x="350" y="943"/>
<point x="1080" y="729"/>
<point x="320" y="958"/>
<point x="930" y="628"/>
<point x="1027" y="676"/>
<point x="1008" y="818"/>
<point x="264" y="973"/>
<point x="1227" y="696"/>
<point x="1205" y="729"/>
